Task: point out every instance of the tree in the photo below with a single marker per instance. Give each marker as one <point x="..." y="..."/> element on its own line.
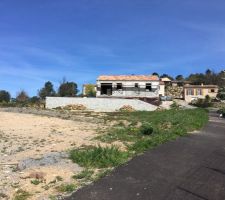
<point x="155" y="74"/>
<point x="208" y="72"/>
<point x="34" y="100"/>
<point x="4" y="96"/>
<point x="47" y="90"/>
<point x="166" y="76"/>
<point x="197" y="78"/>
<point x="179" y="78"/>
<point x="90" y="90"/>
<point x="68" y="89"/>
<point x="22" y="96"/>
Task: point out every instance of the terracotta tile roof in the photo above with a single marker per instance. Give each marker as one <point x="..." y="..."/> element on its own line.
<point x="128" y="78"/>
<point x="200" y="86"/>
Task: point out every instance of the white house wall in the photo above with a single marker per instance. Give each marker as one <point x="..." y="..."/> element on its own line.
<point x="99" y="104"/>
<point x="129" y="90"/>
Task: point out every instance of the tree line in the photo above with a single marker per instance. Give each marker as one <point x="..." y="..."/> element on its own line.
<point x="208" y="78"/>
<point x="66" y="89"/>
<point x="70" y="89"/>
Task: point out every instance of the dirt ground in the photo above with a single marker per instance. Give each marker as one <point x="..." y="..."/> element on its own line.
<point x="32" y="146"/>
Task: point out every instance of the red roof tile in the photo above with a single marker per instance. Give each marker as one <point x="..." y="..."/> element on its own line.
<point x="128" y="78"/>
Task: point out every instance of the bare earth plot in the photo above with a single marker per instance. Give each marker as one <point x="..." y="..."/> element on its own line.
<point x="31" y="147"/>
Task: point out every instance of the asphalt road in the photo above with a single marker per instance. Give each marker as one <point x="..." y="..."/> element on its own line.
<point x="190" y="168"/>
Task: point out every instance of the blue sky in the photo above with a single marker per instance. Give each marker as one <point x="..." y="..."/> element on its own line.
<point x="44" y="40"/>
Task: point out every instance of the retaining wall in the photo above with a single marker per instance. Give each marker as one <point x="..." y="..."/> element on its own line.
<point x="99" y="104"/>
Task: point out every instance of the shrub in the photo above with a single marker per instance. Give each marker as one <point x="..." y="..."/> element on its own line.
<point x="35" y="182"/>
<point x="99" y="157"/>
<point x="202" y="103"/>
<point x="174" y="105"/>
<point x="22" y="195"/>
<point x="146" y="129"/>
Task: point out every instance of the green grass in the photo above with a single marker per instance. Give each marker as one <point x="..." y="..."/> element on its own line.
<point x="66" y="188"/>
<point x="85" y="174"/>
<point x="22" y="195"/>
<point x="164" y="123"/>
<point x="99" y="157"/>
<point x="138" y="131"/>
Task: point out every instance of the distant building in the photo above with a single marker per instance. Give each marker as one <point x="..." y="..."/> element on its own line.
<point x="166" y="80"/>
<point x="130" y="86"/>
<point x="193" y="92"/>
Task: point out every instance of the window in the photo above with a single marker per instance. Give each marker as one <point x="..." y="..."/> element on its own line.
<point x="198" y="91"/>
<point x="190" y="92"/>
<point x="136" y="85"/>
<point x="119" y="86"/>
<point x="212" y="90"/>
<point x="148" y="86"/>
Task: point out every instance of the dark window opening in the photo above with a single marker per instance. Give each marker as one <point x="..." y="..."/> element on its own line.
<point x="136" y="85"/>
<point x="148" y="86"/>
<point x="106" y="89"/>
<point x="119" y="86"/>
<point x="212" y="90"/>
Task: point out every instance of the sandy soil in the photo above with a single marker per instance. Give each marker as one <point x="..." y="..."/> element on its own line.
<point x="27" y="136"/>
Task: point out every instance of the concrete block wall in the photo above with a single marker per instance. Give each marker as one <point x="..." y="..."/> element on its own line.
<point x="99" y="104"/>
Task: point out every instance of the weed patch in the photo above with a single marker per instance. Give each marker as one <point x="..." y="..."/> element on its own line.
<point x="85" y="174"/>
<point x="66" y="188"/>
<point x="99" y="157"/>
<point x="22" y="195"/>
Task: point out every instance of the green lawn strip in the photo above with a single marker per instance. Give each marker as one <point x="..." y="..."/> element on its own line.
<point x="157" y="128"/>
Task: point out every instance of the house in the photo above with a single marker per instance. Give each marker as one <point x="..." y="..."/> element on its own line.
<point x="193" y="92"/>
<point x="129" y="86"/>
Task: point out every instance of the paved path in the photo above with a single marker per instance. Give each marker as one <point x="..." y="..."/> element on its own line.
<point x="190" y="168"/>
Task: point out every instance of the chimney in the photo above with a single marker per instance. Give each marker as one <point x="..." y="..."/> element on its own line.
<point x="202" y="84"/>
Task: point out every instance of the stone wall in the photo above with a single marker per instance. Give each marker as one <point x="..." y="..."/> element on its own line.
<point x="99" y="104"/>
<point x="175" y="91"/>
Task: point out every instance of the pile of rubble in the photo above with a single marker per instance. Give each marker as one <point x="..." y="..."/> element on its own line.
<point x="74" y="107"/>
<point x="127" y="108"/>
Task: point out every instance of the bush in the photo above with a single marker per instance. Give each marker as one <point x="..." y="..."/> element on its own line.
<point x="146" y="129"/>
<point x="203" y="103"/>
<point x="99" y="157"/>
<point x="174" y="105"/>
